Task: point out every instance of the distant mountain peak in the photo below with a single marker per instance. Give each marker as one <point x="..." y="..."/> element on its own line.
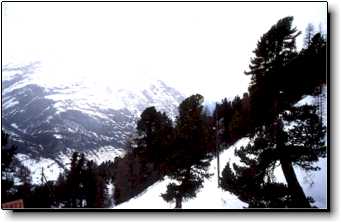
<point x="48" y="120"/>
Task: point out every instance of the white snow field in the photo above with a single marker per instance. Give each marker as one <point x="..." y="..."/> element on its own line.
<point x="50" y="167"/>
<point x="208" y="197"/>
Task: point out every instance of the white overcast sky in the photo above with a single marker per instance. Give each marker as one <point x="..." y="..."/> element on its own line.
<point x="195" y="47"/>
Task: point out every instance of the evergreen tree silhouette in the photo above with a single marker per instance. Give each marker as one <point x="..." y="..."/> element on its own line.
<point x="275" y="50"/>
<point x="269" y="96"/>
<point x="156" y="135"/>
<point x="190" y="158"/>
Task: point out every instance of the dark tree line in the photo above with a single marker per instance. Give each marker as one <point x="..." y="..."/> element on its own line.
<point x="235" y="116"/>
<point x="7" y="169"/>
<point x="84" y="185"/>
<point x="148" y="157"/>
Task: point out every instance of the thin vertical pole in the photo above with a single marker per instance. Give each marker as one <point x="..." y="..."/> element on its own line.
<point x="217" y="151"/>
<point x="42" y="175"/>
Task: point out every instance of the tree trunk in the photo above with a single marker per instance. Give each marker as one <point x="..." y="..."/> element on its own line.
<point x="178" y="202"/>
<point x="297" y="194"/>
<point x="295" y="189"/>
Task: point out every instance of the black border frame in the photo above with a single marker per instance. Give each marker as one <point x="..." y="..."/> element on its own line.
<point x="312" y="210"/>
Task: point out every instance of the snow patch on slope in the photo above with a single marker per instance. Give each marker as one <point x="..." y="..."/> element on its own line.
<point x="208" y="197"/>
<point x="228" y="155"/>
<point x="50" y="167"/>
<point x="9" y="103"/>
<point x="105" y="153"/>
<point x="307" y="100"/>
<point x="212" y="197"/>
<point x="150" y="198"/>
<point x="58" y="136"/>
<point x="313" y="183"/>
<point x="320" y="101"/>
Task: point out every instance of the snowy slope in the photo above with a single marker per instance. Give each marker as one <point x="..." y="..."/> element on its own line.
<point x="50" y="167"/>
<point x="320" y="101"/>
<point x="209" y="197"/>
<point x="212" y="197"/>
<point x="313" y="183"/>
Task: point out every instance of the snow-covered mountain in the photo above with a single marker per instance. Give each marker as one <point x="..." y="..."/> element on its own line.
<point x="49" y="117"/>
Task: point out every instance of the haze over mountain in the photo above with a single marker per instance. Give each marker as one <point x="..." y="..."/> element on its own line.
<point x="51" y="119"/>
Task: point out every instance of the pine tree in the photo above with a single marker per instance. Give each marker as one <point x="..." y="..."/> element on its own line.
<point x="7" y="152"/>
<point x="25" y="188"/>
<point x="270" y="93"/>
<point x="190" y="157"/>
<point x="42" y="197"/>
<point x="224" y="112"/>
<point x="235" y="118"/>
<point x="61" y="190"/>
<point x="101" y="192"/>
<point x="275" y="50"/>
<point x="302" y="144"/>
<point x="90" y="184"/>
<point x="75" y="181"/>
<point x="155" y="134"/>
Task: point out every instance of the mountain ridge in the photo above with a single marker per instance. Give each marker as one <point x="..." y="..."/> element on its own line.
<point x="51" y="122"/>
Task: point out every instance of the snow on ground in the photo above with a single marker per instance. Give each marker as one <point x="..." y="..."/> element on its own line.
<point x="208" y="197"/>
<point x="51" y="168"/>
<point x="65" y="157"/>
<point x="58" y="136"/>
<point x="314" y="100"/>
<point x="307" y="100"/>
<point x="110" y="188"/>
<point x="14" y="125"/>
<point x="212" y="197"/>
<point x="10" y="103"/>
<point x="229" y="156"/>
<point x="9" y="74"/>
<point x="99" y="156"/>
<point x="313" y="183"/>
<point x="150" y="198"/>
<point x="105" y="153"/>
